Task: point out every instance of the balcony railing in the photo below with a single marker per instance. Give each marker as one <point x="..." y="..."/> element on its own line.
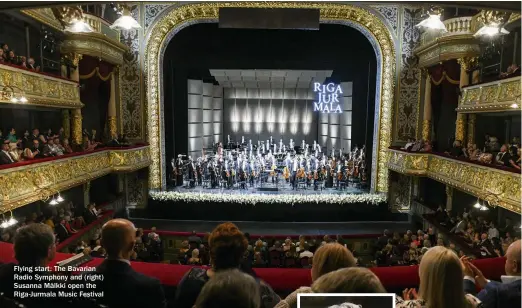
<point x="455" y="26"/>
<point x="40" y="89"/>
<point x="28" y="182"/>
<point x="476" y="179"/>
<point x="495" y="96"/>
<point x="101" y="26"/>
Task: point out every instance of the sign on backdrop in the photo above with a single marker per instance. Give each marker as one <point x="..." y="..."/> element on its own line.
<point x="328" y="96"/>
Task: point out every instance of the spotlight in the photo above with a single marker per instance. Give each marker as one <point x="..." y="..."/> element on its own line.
<point x="14" y="100"/>
<point x="4" y="224"/>
<point x="125" y="22"/>
<point x="53" y="202"/>
<point x="12" y="221"/>
<point x="23" y="99"/>
<point x="477" y="205"/>
<point x="491" y="30"/>
<point x="484" y="208"/>
<point x="514" y="105"/>
<point x="433" y="22"/>
<point x="59" y="199"/>
<point x="79" y="26"/>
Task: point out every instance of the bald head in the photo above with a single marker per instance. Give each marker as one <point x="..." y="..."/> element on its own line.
<point x="118" y="238"/>
<point x="512" y="266"/>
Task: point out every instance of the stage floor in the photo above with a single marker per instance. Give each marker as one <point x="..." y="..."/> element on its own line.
<point x="276" y="228"/>
<point x="272" y="189"/>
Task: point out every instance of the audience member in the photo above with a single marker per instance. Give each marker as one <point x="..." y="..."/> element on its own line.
<point x="495" y="294"/>
<point x="503" y="156"/>
<point x="122" y="286"/>
<point x="439" y="269"/>
<point x="194" y="239"/>
<point x="229" y="288"/>
<point x="227" y="246"/>
<point x="5" y="157"/>
<point x="328" y="258"/>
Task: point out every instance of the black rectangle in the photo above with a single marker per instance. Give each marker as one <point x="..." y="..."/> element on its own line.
<point x="261" y="18"/>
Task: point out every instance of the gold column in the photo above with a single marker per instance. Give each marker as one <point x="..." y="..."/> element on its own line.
<point x="472" y="118"/>
<point x="76" y="119"/>
<point x="111" y="114"/>
<point x="460" y="125"/>
<point x="66" y="123"/>
<point x="426" y="123"/>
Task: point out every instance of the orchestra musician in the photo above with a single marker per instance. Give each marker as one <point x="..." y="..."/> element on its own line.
<point x="191" y="173"/>
<point x="179" y="170"/>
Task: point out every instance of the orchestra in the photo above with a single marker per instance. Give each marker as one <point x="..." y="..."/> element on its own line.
<point x="243" y="165"/>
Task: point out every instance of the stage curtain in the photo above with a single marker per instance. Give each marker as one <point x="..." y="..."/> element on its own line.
<point x="445" y="79"/>
<point x="95" y="78"/>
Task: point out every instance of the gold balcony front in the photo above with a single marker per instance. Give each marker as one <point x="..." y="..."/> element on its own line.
<point x="39" y="89"/>
<point x="457" y="43"/>
<point x="25" y="184"/>
<point x="478" y="180"/>
<point x="496" y="96"/>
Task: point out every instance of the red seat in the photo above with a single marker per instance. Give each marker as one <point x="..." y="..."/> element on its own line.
<point x="290" y="262"/>
<point x="305" y="262"/>
<point x="275" y="258"/>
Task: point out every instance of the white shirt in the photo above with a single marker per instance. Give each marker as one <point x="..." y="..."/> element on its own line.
<point x="306" y="253"/>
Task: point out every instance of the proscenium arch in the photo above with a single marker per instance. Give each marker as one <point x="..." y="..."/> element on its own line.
<point x="359" y="18"/>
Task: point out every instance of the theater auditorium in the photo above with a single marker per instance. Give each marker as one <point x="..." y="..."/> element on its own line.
<point x="260" y="154"/>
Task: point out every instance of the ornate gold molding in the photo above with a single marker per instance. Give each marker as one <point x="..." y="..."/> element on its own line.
<point x="209" y="11"/>
<point x="500" y="95"/>
<point x="22" y="185"/>
<point x="472" y="118"/>
<point x="407" y="163"/>
<point x="460" y="128"/>
<point x="95" y="45"/>
<point x="113" y="127"/>
<point x="471" y="178"/>
<point x="426" y="130"/>
<point x="45" y="16"/>
<point x="39" y="89"/>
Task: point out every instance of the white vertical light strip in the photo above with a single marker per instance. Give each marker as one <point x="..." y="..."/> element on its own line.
<point x="346" y="119"/>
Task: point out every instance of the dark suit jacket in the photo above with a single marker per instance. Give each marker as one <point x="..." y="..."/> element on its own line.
<point x="62" y="232"/>
<point x="496" y="294"/>
<point x="4" y="158"/>
<point x="124" y="287"/>
<point x="194" y="239"/>
<point x="89" y="216"/>
<point x="6" y="286"/>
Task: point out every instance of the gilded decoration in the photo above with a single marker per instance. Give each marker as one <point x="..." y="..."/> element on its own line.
<point x="499" y="95"/>
<point x="113" y="127"/>
<point x="39" y="89"/>
<point x="22" y="185"/>
<point x="471" y="178"/>
<point x="426" y="130"/>
<point x="329" y="12"/>
<point x="94" y="44"/>
<point x="45" y="16"/>
<point x="132" y="113"/>
<point x="460" y="127"/>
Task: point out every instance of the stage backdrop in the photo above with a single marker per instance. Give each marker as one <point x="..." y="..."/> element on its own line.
<point x="285" y="114"/>
<point x="205" y="115"/>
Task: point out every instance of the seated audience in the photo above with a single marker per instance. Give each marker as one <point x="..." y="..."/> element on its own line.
<point x="194" y="239"/>
<point x="33" y="152"/>
<point x="328" y="258"/>
<point x="348" y="280"/>
<point x="456" y="150"/>
<point x="503" y="156"/>
<point x="2" y="56"/>
<point x="123" y="286"/>
<point x="514" y="157"/>
<point x="15" y="152"/>
<point x="31" y="65"/>
<point x="5" y="157"/>
<point x="227" y="246"/>
<point x="58" y="148"/>
<point x="34" y="245"/>
<point x="90" y="214"/>
<point x="67" y="149"/>
<point x="11" y="58"/>
<point x="229" y="288"/>
<point x="49" y="149"/>
<point x="495" y="294"/>
<point x="306" y="253"/>
<point x="195" y="260"/>
<point x="439" y="269"/>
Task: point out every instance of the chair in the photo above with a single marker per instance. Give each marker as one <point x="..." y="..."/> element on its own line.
<point x="289" y="262"/>
<point x="305" y="262"/>
<point x="275" y="258"/>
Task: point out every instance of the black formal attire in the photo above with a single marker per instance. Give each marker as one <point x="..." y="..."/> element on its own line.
<point x="114" y="143"/>
<point x="7" y="287"/>
<point x="194" y="239"/>
<point x="62" y="232"/>
<point x="89" y="216"/>
<point x="503" y="159"/>
<point x="496" y="294"/>
<point x="191" y="284"/>
<point x="5" y="158"/>
<point x="456" y="151"/>
<point x="124" y="287"/>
